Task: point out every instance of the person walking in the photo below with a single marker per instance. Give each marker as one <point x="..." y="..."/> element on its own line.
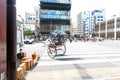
<point x="85" y="37"/>
<point x="70" y="39"/>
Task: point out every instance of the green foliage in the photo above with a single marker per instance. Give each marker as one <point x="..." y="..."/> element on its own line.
<point x="27" y="32"/>
<point x="93" y="34"/>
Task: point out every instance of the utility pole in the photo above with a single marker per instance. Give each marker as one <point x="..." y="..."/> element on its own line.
<point x="11" y="40"/>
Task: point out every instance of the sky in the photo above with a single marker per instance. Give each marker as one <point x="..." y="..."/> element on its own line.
<point x="23" y="6"/>
<point x="111" y="6"/>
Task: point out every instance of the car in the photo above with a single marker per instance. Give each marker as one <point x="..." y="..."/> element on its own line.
<point x="28" y="41"/>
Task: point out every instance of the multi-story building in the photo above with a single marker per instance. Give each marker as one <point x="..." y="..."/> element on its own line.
<point x="97" y="16"/>
<point x="83" y="23"/>
<point x="30" y="18"/>
<point x="86" y="21"/>
<point x="79" y="24"/>
<point x="108" y="29"/>
<point x="30" y="22"/>
<point x="54" y="15"/>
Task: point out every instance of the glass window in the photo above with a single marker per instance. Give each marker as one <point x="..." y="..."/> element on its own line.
<point x="98" y="16"/>
<point x="55" y="14"/>
<point x="29" y="18"/>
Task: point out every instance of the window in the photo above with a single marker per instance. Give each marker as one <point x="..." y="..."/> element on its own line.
<point x="98" y="19"/>
<point x="29" y="18"/>
<point x="98" y="16"/>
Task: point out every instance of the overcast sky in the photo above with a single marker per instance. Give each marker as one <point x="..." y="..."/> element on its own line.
<point x="111" y="6"/>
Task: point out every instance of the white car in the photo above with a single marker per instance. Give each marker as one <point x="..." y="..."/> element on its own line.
<point x="28" y="41"/>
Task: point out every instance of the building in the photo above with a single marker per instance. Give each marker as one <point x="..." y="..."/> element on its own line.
<point x="79" y="24"/>
<point x="32" y="22"/>
<point x="97" y="16"/>
<point x="54" y="15"/>
<point x="108" y="29"/>
<point x="83" y="23"/>
<point x="86" y="21"/>
<point x="30" y="17"/>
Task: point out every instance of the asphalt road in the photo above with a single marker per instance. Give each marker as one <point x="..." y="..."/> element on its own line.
<point x="83" y="61"/>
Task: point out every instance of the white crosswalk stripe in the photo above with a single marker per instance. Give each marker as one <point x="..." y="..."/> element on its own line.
<point x="82" y="61"/>
<point x="78" y="55"/>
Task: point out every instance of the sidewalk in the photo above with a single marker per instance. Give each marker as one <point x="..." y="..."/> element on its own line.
<point x="75" y="74"/>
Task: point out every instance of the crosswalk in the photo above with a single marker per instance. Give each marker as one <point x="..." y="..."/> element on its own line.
<point x="84" y="53"/>
<point x="82" y="61"/>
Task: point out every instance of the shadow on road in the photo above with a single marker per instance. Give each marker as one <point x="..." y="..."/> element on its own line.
<point x="83" y="72"/>
<point x="68" y="58"/>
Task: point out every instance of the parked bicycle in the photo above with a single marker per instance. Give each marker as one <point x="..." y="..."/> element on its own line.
<point x="56" y="44"/>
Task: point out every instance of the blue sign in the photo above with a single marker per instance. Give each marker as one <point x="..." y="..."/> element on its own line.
<point x="93" y="12"/>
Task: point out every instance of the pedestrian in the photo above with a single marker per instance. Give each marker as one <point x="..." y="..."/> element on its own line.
<point x="41" y="38"/>
<point x="85" y="37"/>
<point x="70" y="39"/>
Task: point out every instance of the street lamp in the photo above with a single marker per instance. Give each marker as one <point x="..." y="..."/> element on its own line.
<point x="22" y="28"/>
<point x="21" y="17"/>
<point x="22" y="20"/>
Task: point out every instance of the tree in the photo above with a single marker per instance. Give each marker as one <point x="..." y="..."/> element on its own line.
<point x="27" y="32"/>
<point x="93" y="34"/>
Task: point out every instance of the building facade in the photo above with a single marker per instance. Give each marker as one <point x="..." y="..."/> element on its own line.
<point x="86" y="21"/>
<point x="79" y="24"/>
<point x="32" y="21"/>
<point x="83" y="23"/>
<point x="97" y="16"/>
<point x="108" y="30"/>
<point x="54" y="15"/>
